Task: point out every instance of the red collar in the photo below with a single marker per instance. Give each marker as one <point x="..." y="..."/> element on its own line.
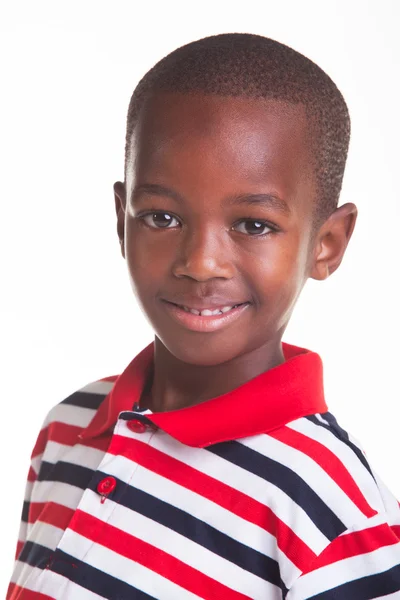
<point x="287" y="392"/>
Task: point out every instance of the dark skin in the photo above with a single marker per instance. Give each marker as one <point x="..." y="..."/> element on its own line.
<point x="192" y="154"/>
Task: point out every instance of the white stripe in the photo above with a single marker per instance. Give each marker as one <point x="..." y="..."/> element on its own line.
<point x="390" y="502"/>
<point x="46" y="535"/>
<point x="50" y="583"/>
<point x="68" y="414"/>
<point x="247" y="483"/>
<point x="311" y="473"/>
<point x="343" y="571"/>
<point x="83" y="456"/>
<point x="321" y="419"/>
<point x="21" y="573"/>
<point x="390" y="519"/>
<point x="35" y="579"/>
<point x="36" y="464"/>
<point x="28" y="490"/>
<point x="177" y="545"/>
<point x="22" y="532"/>
<point x="55" y="491"/>
<point x="118" y="466"/>
<point x="125" y="569"/>
<point x="347" y="457"/>
<point x="366" y="524"/>
<point x="98" y="387"/>
<point x="393" y="517"/>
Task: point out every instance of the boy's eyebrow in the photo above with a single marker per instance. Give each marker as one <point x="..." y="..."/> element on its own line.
<point x="269" y="200"/>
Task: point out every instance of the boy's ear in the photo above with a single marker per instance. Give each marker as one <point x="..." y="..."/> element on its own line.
<point x="331" y="241"/>
<point x="120" y="205"/>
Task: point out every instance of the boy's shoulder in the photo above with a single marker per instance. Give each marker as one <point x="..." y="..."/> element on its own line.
<point x="78" y="408"/>
<point x="65" y="420"/>
<point x="325" y="472"/>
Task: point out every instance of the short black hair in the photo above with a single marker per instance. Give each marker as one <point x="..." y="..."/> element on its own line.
<point x="253" y="66"/>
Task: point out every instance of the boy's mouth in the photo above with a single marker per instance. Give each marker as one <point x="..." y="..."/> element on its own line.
<point x="206" y="312"/>
<point x="205" y="320"/>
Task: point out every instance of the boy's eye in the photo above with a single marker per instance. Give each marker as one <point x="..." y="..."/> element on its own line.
<point x="256" y="227"/>
<point x="162" y="220"/>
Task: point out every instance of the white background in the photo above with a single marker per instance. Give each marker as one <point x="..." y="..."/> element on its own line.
<point x="68" y="315"/>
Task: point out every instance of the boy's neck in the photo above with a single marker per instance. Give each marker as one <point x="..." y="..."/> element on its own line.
<point x="173" y="385"/>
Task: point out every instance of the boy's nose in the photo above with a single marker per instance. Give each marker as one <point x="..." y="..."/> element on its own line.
<point x="204" y="255"/>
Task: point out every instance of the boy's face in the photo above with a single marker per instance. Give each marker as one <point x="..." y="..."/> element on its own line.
<point x="194" y="157"/>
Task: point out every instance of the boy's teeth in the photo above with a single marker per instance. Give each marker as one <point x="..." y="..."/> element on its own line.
<point x="206" y="312"/>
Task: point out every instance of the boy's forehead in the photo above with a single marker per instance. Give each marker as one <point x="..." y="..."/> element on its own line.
<point x="167" y="116"/>
<point x="254" y="139"/>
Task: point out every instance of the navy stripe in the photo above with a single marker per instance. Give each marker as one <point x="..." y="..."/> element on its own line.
<point x="65" y="473"/>
<point x="25" y="511"/>
<point x="95" y="580"/>
<point x="35" y="555"/>
<point x="367" y="588"/>
<point x="285" y="479"/>
<point x="341" y="435"/>
<point x="85" y="400"/>
<point x="194" y="529"/>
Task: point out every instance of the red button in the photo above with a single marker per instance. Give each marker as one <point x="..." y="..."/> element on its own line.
<point x="106" y="486"/>
<point x="136" y="426"/>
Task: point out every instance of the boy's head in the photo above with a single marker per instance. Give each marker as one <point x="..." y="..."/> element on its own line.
<point x="252" y="66"/>
<point x="240" y="144"/>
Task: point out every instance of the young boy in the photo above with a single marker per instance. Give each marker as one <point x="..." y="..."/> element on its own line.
<point x="211" y="467"/>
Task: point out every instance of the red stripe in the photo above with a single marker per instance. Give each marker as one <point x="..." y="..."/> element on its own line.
<point x="355" y="544"/>
<point x="222" y="494"/>
<point x="51" y="513"/>
<point x="68" y="436"/>
<point x="63" y="433"/>
<point x="151" y="557"/>
<point x="40" y="444"/>
<point x="328" y="461"/>
<point x="16" y="592"/>
<point x="20" y="545"/>
<point x="32" y="476"/>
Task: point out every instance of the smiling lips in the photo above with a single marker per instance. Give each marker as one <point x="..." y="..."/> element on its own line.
<point x="204" y="306"/>
<point x="205" y="319"/>
<point x="206" y="312"/>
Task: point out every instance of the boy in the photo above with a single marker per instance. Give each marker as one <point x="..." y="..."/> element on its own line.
<point x="211" y="467"/>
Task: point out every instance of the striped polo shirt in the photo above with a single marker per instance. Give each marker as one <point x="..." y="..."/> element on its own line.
<point x="257" y="493"/>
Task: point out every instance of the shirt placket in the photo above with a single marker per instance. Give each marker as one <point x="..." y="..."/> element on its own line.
<point x="114" y="473"/>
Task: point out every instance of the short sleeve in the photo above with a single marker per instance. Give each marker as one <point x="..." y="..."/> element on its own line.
<point x="362" y="563"/>
<point x="23" y="528"/>
<point x="29" y="513"/>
